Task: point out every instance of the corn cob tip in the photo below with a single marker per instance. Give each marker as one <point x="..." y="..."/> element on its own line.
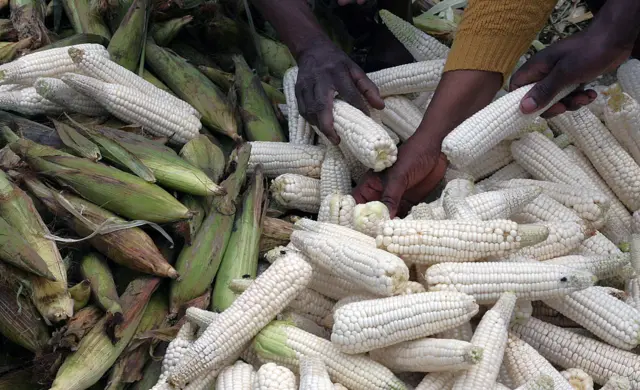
<point x="76" y="54"/>
<point x="474" y="356"/>
<point x="532" y="234"/>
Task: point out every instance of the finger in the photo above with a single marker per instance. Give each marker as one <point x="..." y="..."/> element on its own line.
<point x="576" y="100"/>
<point x="535" y="69"/>
<point x="349" y="93"/>
<point x="556" y="109"/>
<point x="367" y="87"/>
<point x="391" y="196"/>
<point x="325" y="94"/>
<point x="301" y="86"/>
<point x="369" y="190"/>
<point x="420" y="191"/>
<point x="544" y="91"/>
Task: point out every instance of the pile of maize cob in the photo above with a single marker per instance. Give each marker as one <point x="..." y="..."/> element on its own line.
<point x="158" y="234"/>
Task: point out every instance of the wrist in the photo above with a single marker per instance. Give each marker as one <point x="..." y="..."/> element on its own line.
<point x="308" y="44"/>
<point x="617" y="22"/>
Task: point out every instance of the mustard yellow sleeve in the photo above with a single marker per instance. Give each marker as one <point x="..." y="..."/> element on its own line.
<point x="493" y="34"/>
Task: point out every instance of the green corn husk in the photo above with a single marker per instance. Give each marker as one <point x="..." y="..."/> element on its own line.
<point x="76" y="328"/>
<point x="115" y="11"/>
<point x="275" y="232"/>
<point x="133" y="139"/>
<point x="276" y="56"/>
<point x="156" y="81"/>
<point x="7" y="32"/>
<point x="77" y="39"/>
<point x="198" y="263"/>
<point x="94" y="267"/>
<point x="27" y="17"/>
<point x="190" y="85"/>
<point x="30" y="130"/>
<point x="20" y="380"/>
<point x="117" y="191"/>
<point x="80" y="293"/>
<point x="96" y="353"/>
<point x="76" y="142"/>
<point x="19" y="319"/>
<point x="163" y="33"/>
<point x="15" y="250"/>
<point x="50" y="298"/>
<point x="35" y="149"/>
<point x="225" y="81"/>
<point x="10" y="51"/>
<point x="84" y="20"/>
<point x="192" y="55"/>
<point x="129" y="367"/>
<point x="205" y="155"/>
<point x="197" y="206"/>
<point x="132" y="248"/>
<point x="241" y="257"/>
<point x="126" y="45"/>
<point x="259" y="120"/>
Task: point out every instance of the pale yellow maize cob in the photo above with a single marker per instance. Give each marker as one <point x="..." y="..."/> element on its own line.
<point x="622" y="115"/>
<point x="314" y="374"/>
<point x="48" y="63"/>
<point x="366" y="139"/>
<point x="510" y="171"/>
<point x="56" y="91"/>
<point x="428" y="355"/>
<point x="300" y="131"/>
<point x="271" y="376"/>
<point x="563" y="238"/>
<point x="629" y="78"/>
<point x="296" y="192"/>
<point x="337" y="209"/>
<point x="578" y="378"/>
<point x="422" y="76"/>
<point x="278" y="158"/>
<point x="496" y="158"/>
<point x="597" y="245"/>
<point x="238" y="324"/>
<point x="368" y="268"/>
<point x="421" y="45"/>
<point x="612" y="320"/>
<point x="613" y="163"/>
<point x="484" y="130"/>
<point x="487" y="281"/>
<point x="28" y="101"/>
<point x="401" y="115"/>
<point x="328" y="229"/>
<point x="502" y="204"/>
<point x="601" y="266"/>
<point x="617" y="382"/>
<point x="369" y="217"/>
<point x="370" y="324"/>
<point x="545" y="209"/>
<point x="437" y="381"/>
<point x="157" y="116"/>
<point x="239" y="376"/>
<point x="430" y="242"/>
<point x="462" y="332"/>
<point x="92" y="64"/>
<point x="335" y="177"/>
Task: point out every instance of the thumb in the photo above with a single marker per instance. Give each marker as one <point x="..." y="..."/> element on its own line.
<point x="392" y="195"/>
<point x="543" y="91"/>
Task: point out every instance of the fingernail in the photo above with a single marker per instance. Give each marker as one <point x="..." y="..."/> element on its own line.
<point x="529" y="104"/>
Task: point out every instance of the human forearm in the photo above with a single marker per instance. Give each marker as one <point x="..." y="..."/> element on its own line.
<point x="620" y="21"/>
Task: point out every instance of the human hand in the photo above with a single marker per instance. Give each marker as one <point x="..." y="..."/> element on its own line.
<point x="347" y="2"/>
<point x="324" y="70"/>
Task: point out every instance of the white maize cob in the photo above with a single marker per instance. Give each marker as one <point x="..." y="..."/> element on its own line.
<point x="176" y="351"/>
<point x="96" y="65"/>
<point x="157" y="116"/>
<point x="202" y="318"/>
<point x="271" y="376"/>
<point x="502" y="204"/>
<point x="578" y="379"/>
<point x="430" y="242"/>
<point x="337" y="209"/>
<point x="278" y="158"/>
<point x="356" y="168"/>
<point x="635" y="222"/>
<point x="503" y="374"/>
<point x="487" y="281"/>
<point x="523" y="364"/>
<point x="56" y="91"/>
<point x="563" y="238"/>
<point x="239" y="376"/>
<point x="424" y="211"/>
<point x="597" y="106"/>
<point x="455" y="205"/>
<point x="331" y="285"/>
<point x="428" y="355"/>
<point x="542" y="382"/>
<point x="300" y="131"/>
<point x="496" y="158"/>
<point x="437" y="381"/>
<point x="368" y="268"/>
<point x="369" y="217"/>
<point x="239" y="323"/>
<point x="413" y="288"/>
<point x="632" y="289"/>
<point x="338" y="386"/>
<point x="601" y="266"/>
<point x="48" y="63"/>
<point x="462" y="332"/>
<point x="484" y="130"/>
<point x="28" y="101"/>
<point x="314" y="374"/>
<point x="422" y="101"/>
<point x="597" y="245"/>
<point x="545" y="209"/>
<point x="568" y="349"/>
<point x="617" y="382"/>
<point x="366" y="139"/>
<point x="12" y="87"/>
<point x="491" y="336"/>
<point x="391" y="133"/>
<point x="622" y="115"/>
<point x="453" y="173"/>
<point x="297" y="192"/>
<point x="377" y="323"/>
<point x="614" y="164"/>
<point x="634" y="249"/>
<point x="629" y="78"/>
<point x="286" y="345"/>
<point x="305" y="323"/>
<point x="402" y="116"/>
<point x="522" y="311"/>
<point x="545" y="161"/>
<point x="335" y="177"/>
<point x="309" y="225"/>
<point x="612" y="320"/>
<point x="539" y="124"/>
<point x="562" y="141"/>
<point x="422" y="76"/>
<point x="510" y="171"/>
<point x="421" y="45"/>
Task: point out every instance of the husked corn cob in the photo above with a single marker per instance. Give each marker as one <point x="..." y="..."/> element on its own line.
<point x="484" y="130"/>
<point x="491" y="336"/>
<point x="201" y="318"/>
<point x="629" y="78"/>
<point x="57" y="92"/>
<point x="366" y="139"/>
<point x="462" y="332"/>
<point x="335" y="177"/>
<point x="285" y="344"/>
<point x="430" y="242"/>
<point x="617" y="382"/>
<point x="601" y="266"/>
<point x="239" y="376"/>
<point x="539" y="124"/>
<point x="238" y="324"/>
<point x="622" y="115"/>
<point x="297" y="192"/>
<point x="48" y="63"/>
<point x="634" y="249"/>
<point x="402" y="116"/>
<point x="176" y="351"/>
<point x="597" y="106"/>
<point x="369" y="217"/>
<point x="428" y="355"/>
<point x="422" y="76"/>
<point x="356" y="168"/>
<point x="300" y="131"/>
<point x="568" y="349"/>
<point x="337" y="209"/>
<point x="563" y="238"/>
<point x="425" y="211"/>
<point x="368" y="268"/>
<point x="278" y="158"/>
<point x="545" y="209"/>
<point x="391" y="133"/>
<point x="28" y="101"/>
<point x="502" y="204"/>
<point x="421" y="45"/>
<point x="377" y="323"/>
<point x="597" y="245"/>
<point x="314" y="374"/>
<point x="305" y="323"/>
<point x="635" y="222"/>
<point x="437" y="381"/>
<point x="542" y="382"/>
<point x="510" y="171"/>
<point x="422" y="101"/>
<point x="158" y="116"/>
<point x="328" y="229"/>
<point x="496" y="158"/>
<point x="271" y="376"/>
<point x="455" y="205"/>
<point x="578" y="378"/>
